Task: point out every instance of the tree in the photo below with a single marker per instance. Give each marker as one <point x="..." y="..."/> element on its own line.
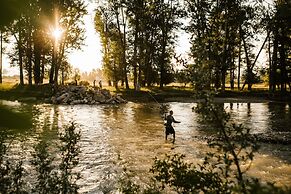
<point x="35" y="44"/>
<point x="217" y="29"/>
<point x="279" y="25"/>
<point x="9" y="11"/>
<point x="67" y="17"/>
<point x="112" y="42"/>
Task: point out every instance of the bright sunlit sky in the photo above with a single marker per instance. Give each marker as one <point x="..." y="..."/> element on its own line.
<point x="90" y="57"/>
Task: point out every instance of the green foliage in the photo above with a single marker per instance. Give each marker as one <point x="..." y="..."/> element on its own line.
<point x="11" y="175"/>
<point x="10" y="10"/>
<point x="69" y="159"/>
<point x="58" y="179"/>
<point x="138" y="37"/>
<point x="218" y="29"/>
<point x="127" y="185"/>
<point x="84" y="83"/>
<point x="234" y="143"/>
<point x="46" y="176"/>
<point x="183" y="76"/>
<point x="52" y="177"/>
<point x="186" y="178"/>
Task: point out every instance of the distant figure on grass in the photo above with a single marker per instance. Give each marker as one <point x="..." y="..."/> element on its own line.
<point x="169" y="128"/>
<point x="100" y="84"/>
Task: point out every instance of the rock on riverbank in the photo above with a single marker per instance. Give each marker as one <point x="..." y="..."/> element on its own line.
<point x="85" y="95"/>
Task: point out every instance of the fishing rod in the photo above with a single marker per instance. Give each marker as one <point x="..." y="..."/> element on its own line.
<point x="162" y="107"/>
<point x="155" y="99"/>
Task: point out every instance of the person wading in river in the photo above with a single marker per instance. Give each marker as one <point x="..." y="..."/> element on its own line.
<point x="169" y="128"/>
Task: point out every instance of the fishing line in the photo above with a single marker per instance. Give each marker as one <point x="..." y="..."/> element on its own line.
<point x="162" y="107"/>
<point x="155" y="100"/>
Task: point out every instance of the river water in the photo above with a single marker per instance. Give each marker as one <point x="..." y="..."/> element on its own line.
<point x="131" y="135"/>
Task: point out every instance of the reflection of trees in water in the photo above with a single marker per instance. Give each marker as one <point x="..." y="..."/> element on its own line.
<point x="279" y="117"/>
<point x="205" y="126"/>
<point x="249" y="111"/>
<point x="46" y="120"/>
<point x="15" y="118"/>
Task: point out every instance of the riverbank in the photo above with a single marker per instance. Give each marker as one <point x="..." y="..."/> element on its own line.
<point x="43" y="92"/>
<point x="188" y="95"/>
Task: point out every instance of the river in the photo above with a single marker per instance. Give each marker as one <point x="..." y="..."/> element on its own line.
<point x="131" y="135"/>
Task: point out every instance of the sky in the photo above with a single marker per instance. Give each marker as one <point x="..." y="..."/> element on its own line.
<point x="90" y="57"/>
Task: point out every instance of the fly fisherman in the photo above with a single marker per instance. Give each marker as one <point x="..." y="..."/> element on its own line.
<point x="169" y="128"/>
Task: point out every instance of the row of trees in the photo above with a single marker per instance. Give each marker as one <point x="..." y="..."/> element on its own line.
<point x="224" y="38"/>
<point x="138" y="36"/>
<point x="138" y="39"/>
<point x="43" y="32"/>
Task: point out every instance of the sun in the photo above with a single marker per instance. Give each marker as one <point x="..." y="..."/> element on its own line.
<point x="57" y="33"/>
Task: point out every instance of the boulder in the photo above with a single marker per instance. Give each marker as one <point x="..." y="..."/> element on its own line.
<point x="62" y="97"/>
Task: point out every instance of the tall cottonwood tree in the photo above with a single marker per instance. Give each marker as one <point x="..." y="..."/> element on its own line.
<point x="218" y="30"/>
<point x="280" y="63"/>
<point x="9" y="11"/>
<point x="67" y="15"/>
<point x="167" y="14"/>
<point x="113" y="54"/>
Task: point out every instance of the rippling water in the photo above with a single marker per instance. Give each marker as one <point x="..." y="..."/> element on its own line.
<point x="131" y="135"/>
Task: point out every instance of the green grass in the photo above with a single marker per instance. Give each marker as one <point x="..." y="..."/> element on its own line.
<point x="16" y="92"/>
<point x="7" y="86"/>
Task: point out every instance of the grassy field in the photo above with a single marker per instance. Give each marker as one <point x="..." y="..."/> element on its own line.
<point x="10" y="89"/>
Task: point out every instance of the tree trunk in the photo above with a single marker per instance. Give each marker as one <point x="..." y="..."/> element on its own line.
<point x="249" y="72"/>
<point x="283" y="72"/>
<point x="109" y="83"/>
<point x="223" y="76"/>
<point x="135" y="60"/>
<point x="274" y="62"/>
<point x="163" y="58"/>
<point x="42" y="69"/>
<point x="226" y="57"/>
<point x="37" y="58"/>
<point x="270" y="66"/>
<point x="239" y="65"/>
<point x="20" y="56"/>
<point x="122" y="39"/>
<point x="232" y="77"/>
<point x="124" y="52"/>
<point x="63" y="77"/>
<point x="29" y="56"/>
<point x="1" y="54"/>
<point x="162" y="69"/>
